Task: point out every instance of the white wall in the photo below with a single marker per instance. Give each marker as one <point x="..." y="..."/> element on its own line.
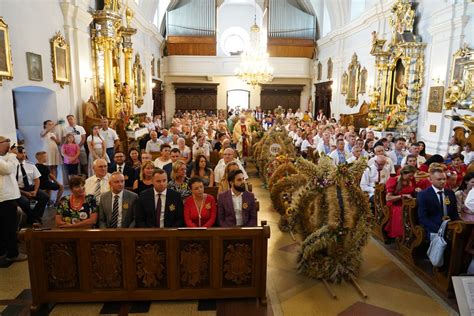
<point x="32" y="23"/>
<point x="443" y="26"/>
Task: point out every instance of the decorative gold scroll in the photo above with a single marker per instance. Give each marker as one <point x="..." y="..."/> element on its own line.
<point x="140" y="81"/>
<point x="6" y="65"/>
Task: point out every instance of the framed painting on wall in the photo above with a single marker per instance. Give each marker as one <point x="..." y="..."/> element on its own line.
<point x="60" y="60"/>
<point x="6" y="70"/>
<point x="35" y="66"/>
<point x="435" y="99"/>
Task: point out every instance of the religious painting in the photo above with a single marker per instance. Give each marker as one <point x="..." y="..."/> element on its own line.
<point x="363" y="81"/>
<point x="398" y="81"/>
<point x="344" y="83"/>
<point x="140" y="81"/>
<point x="330" y="69"/>
<point x="435" y="100"/>
<point x="60" y="60"/>
<point x="153" y="74"/>
<point x="35" y="66"/>
<point x="158" y="68"/>
<point x="460" y="59"/>
<point x="6" y="70"/>
<point x="320" y="71"/>
<point x="352" y="98"/>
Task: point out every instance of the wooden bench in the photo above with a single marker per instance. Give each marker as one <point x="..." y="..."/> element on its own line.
<point x="381" y="212"/>
<point x="103" y="265"/>
<point x="413" y="232"/>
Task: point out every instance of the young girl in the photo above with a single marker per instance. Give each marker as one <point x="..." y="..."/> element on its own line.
<point x="50" y="146"/>
<point x="71" y="151"/>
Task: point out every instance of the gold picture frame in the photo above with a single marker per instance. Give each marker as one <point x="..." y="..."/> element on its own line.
<point x="461" y="58"/>
<point x="344" y="83"/>
<point x="320" y="71"/>
<point x="35" y="66"/>
<point x="153" y="73"/>
<point x="330" y="66"/>
<point x="140" y="82"/>
<point x="435" y="99"/>
<point x="6" y="65"/>
<point x="363" y="81"/>
<point x="60" y="60"/>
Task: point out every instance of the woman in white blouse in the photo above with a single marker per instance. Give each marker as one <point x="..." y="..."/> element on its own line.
<point x="50" y="146"/>
<point x="96" y="146"/>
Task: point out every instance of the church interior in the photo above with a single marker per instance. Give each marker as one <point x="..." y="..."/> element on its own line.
<point x="222" y="157"/>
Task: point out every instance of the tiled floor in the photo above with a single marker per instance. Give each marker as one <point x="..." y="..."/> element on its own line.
<point x="390" y="291"/>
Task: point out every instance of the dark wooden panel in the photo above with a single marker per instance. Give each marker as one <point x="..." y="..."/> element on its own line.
<point x="322" y="98"/>
<point x="146" y="264"/>
<point x="290" y="47"/>
<point x="191" y="45"/>
<point x="286" y="96"/>
<point x="196" y="96"/>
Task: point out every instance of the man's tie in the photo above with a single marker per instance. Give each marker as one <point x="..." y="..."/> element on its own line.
<point x="158" y="210"/>
<point x="120" y="169"/>
<point x="25" y="177"/>
<point x="441" y="202"/>
<point x="115" y="211"/>
<point x="97" y="191"/>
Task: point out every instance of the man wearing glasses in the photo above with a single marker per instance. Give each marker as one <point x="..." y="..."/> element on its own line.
<point x="80" y="138"/>
<point x="9" y="193"/>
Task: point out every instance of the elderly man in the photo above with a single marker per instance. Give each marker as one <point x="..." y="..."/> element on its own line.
<point x="373" y="174"/>
<point x="228" y="156"/>
<point x="99" y="182"/>
<point x="117" y="208"/>
<point x="380" y="151"/>
<point x="165" y="136"/>
<point x="8" y="205"/>
<point x="154" y="144"/>
<point x="110" y="137"/>
<point x="202" y="148"/>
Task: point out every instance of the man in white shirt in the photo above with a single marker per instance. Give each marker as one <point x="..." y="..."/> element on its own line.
<point x="350" y="142"/>
<point x="28" y="179"/>
<point x="373" y="174"/>
<point x="469" y="202"/>
<point x="380" y="151"/>
<point x="202" y="147"/>
<point x="227" y="156"/>
<point x="9" y="193"/>
<point x="165" y="136"/>
<point x="110" y="137"/>
<point x="99" y="182"/>
<point x="356" y="154"/>
<point x="468" y="154"/>
<point x="415" y="150"/>
<point x="398" y="153"/>
<point x="80" y="138"/>
<point x="339" y="155"/>
<point x="117" y="208"/>
<point x="324" y="145"/>
<point x="154" y="144"/>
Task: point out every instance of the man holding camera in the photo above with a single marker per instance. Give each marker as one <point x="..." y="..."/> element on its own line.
<point x="9" y="194"/>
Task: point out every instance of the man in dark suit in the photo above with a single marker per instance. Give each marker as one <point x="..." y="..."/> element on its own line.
<point x="236" y="207"/>
<point x="436" y="203"/>
<point x="175" y="154"/>
<point x="160" y="206"/>
<point x="120" y="166"/>
<point x="117" y="208"/>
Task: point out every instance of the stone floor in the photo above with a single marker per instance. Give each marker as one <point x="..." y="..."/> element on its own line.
<point x="391" y="291"/>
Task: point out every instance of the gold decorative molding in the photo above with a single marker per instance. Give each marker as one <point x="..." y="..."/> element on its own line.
<point x="140" y="81"/>
<point x="6" y="63"/>
<point x="460" y="89"/>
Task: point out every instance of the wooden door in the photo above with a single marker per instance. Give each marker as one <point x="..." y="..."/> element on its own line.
<point x="322" y="98"/>
<point x="157" y="94"/>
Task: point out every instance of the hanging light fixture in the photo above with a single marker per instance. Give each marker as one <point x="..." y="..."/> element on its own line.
<point x="254" y="68"/>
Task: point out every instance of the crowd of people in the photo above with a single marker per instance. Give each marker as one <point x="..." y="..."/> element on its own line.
<point x="160" y="183"/>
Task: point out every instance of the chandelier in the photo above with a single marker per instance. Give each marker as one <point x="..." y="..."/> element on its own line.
<point x="254" y="68"/>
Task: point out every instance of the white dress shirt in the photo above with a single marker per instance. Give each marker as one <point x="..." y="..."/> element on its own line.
<point x="163" y="203"/>
<point x="388" y="164"/>
<point x="324" y="148"/>
<point x="109" y="136"/>
<point x="205" y="149"/>
<point x="468" y="157"/>
<point x="237" y="203"/>
<point x="335" y="156"/>
<point x="160" y="164"/>
<point x="91" y="184"/>
<point x="8" y="183"/>
<point x="152" y="146"/>
<point x="220" y="169"/>
<point x="120" y="200"/>
<point x="469" y="202"/>
<point x="370" y="177"/>
<point x="305" y="145"/>
<point x="32" y="173"/>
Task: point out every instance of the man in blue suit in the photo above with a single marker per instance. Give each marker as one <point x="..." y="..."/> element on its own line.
<point x="436" y="203"/>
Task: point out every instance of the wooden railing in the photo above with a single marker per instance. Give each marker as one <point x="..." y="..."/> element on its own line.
<point x="146" y="264"/>
<point x="381" y="212"/>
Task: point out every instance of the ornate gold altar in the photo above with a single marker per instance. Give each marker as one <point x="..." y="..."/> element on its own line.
<point x="395" y="98"/>
<point x="459" y="94"/>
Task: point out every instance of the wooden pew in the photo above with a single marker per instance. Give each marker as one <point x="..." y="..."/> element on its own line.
<point x="214" y="158"/>
<point x="381" y="212"/>
<point x="413" y="232"/>
<point x="103" y="265"/>
<point x="212" y="191"/>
